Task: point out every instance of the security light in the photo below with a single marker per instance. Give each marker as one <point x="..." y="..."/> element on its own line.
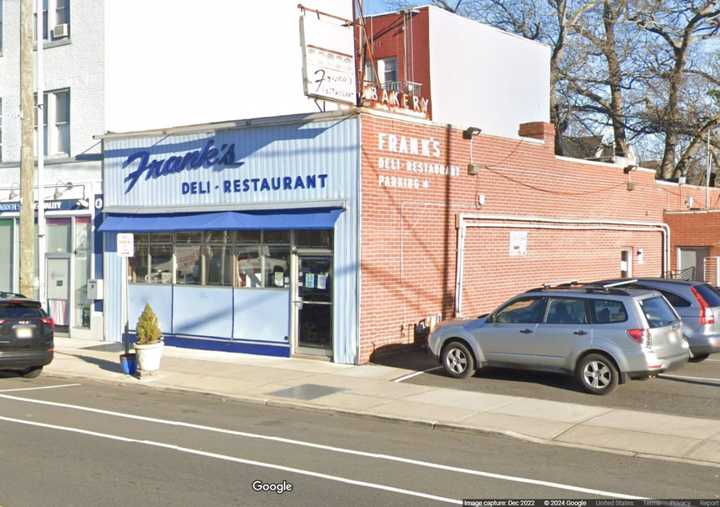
<point x="469" y="132"/>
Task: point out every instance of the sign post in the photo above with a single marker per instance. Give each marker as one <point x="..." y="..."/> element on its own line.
<point x="125" y="249"/>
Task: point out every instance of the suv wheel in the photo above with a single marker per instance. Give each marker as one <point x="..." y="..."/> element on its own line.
<point x="597" y="374"/>
<point x="699" y="358"/>
<point x="32" y="372"/>
<point x="457" y="360"/>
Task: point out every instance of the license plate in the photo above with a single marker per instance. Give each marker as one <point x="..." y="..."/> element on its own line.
<point x="23" y="332"/>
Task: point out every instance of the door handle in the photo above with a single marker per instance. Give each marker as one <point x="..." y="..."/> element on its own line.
<point x="526" y="331"/>
<point x="580" y="332"/>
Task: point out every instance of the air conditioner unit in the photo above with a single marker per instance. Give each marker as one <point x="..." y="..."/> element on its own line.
<point x="61" y="31"/>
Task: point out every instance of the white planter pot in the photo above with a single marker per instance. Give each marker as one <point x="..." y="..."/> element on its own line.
<point x="148" y="356"/>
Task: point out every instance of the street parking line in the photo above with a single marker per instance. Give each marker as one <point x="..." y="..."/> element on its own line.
<point x="37" y="388"/>
<point x="415" y="374"/>
<point x="713" y="380"/>
<point x="234" y="459"/>
<point x="301" y="443"/>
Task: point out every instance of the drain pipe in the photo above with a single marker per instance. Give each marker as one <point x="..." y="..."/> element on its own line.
<point x="465" y="220"/>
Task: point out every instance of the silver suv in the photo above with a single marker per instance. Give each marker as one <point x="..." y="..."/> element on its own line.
<point x="599" y="334"/>
<point x="698" y="305"/>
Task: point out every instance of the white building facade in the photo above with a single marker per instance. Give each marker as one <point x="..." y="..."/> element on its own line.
<point x="74" y="87"/>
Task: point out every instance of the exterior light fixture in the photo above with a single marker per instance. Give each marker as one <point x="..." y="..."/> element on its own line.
<point x="629" y="168"/>
<point x="469" y="132"/>
<point x="60" y="190"/>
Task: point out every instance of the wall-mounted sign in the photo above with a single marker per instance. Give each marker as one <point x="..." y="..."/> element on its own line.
<point x="125" y="244"/>
<point x="52" y="205"/>
<point x="397" y="101"/>
<point x="210" y="156"/>
<point x="518" y="243"/>
<point x="411" y="162"/>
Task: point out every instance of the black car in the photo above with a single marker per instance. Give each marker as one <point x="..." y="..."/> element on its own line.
<point x="26" y="335"/>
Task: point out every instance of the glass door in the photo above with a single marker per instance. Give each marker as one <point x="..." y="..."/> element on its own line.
<point x="314" y="305"/>
<point x="58" y="292"/>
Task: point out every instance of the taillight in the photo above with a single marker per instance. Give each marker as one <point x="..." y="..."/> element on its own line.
<point x="706" y="314"/>
<point x="48" y="321"/>
<point x="638" y="335"/>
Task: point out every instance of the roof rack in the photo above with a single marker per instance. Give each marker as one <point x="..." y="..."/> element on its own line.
<point x="6" y="295"/>
<point x="609" y="288"/>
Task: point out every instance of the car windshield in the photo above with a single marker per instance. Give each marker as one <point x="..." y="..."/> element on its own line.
<point x="710" y="295"/>
<point x="658" y="312"/>
<point x="20" y="310"/>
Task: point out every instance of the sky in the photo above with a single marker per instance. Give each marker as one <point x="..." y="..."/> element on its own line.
<point x="375" y="6"/>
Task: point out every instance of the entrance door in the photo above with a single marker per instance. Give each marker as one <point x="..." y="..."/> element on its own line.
<point x="692" y="262"/>
<point x="58" y="292"/>
<point x="626" y="261"/>
<point x="314" y="305"/>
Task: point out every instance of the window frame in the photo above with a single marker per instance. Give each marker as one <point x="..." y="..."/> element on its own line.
<point x="586" y="309"/>
<point x="494" y="315"/>
<point x="593" y="321"/>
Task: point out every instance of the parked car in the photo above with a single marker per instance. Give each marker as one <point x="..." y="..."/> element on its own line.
<point x="26" y="335"/>
<point x="603" y="336"/>
<point x="698" y="305"/>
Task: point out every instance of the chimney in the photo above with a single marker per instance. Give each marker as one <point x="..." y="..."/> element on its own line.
<point x="539" y="130"/>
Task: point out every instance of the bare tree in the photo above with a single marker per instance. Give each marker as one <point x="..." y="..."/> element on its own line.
<point x="678" y="27"/>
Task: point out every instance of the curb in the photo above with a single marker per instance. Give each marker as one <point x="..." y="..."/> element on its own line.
<point x="433" y="425"/>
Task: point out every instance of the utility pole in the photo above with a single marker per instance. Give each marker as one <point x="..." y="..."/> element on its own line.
<point x="40" y="150"/>
<point x="27" y="106"/>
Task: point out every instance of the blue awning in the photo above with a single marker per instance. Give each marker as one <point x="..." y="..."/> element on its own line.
<point x="312" y="219"/>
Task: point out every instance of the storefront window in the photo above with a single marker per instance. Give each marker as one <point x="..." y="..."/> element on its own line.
<point x="161" y="262"/>
<point x="249" y="266"/>
<point x="82" y="272"/>
<point x="277" y="266"/>
<point x="138" y="264"/>
<point x="58" y="235"/>
<point x="276" y="237"/>
<point x="218" y="264"/>
<point x="188" y="265"/>
<point x="313" y="239"/>
<point x="6" y="255"/>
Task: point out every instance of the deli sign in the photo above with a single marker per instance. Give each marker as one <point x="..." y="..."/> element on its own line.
<point x="397" y="101"/>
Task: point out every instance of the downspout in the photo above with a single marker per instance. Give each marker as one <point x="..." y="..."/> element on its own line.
<point x="547" y="223"/>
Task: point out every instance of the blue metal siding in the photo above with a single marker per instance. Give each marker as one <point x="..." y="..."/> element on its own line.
<point x="320" y="147"/>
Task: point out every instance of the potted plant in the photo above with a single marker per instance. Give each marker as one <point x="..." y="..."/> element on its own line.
<point x="149" y="345"/>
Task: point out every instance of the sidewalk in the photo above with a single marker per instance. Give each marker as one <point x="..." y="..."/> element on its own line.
<point x="369" y="391"/>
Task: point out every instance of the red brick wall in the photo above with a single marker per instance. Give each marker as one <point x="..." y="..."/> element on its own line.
<point x="387" y="39"/>
<point x="409" y="236"/>
<point x="699" y="228"/>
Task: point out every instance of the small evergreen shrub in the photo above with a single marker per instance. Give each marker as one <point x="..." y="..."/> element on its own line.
<point x="148" y="329"/>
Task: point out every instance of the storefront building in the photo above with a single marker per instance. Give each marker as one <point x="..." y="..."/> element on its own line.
<point x="70" y="261"/>
<point x="351" y="234"/>
<point x="245" y="237"/>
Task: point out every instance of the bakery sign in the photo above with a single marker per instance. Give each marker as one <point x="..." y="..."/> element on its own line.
<point x="378" y="97"/>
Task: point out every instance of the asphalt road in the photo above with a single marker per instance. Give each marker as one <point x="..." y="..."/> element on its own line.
<point x="64" y="443"/>
<point x="693" y="390"/>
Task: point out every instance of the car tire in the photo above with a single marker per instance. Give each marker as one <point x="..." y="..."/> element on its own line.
<point x="699" y="358"/>
<point x="597" y="374"/>
<point x="457" y="360"/>
<point x="32" y="372"/>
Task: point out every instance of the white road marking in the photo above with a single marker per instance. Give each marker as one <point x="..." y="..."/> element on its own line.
<point x="714" y="380"/>
<point x="712" y="360"/>
<point x="386" y="457"/>
<point x="37" y="388"/>
<point x="415" y="374"/>
<point x="234" y="459"/>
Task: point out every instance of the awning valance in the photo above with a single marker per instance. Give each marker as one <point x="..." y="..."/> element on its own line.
<point x="311" y="219"/>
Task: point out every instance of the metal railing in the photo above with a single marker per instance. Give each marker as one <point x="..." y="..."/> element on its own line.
<point x="408" y="87"/>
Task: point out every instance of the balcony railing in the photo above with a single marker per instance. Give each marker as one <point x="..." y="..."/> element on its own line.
<point x="408" y="87"/>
